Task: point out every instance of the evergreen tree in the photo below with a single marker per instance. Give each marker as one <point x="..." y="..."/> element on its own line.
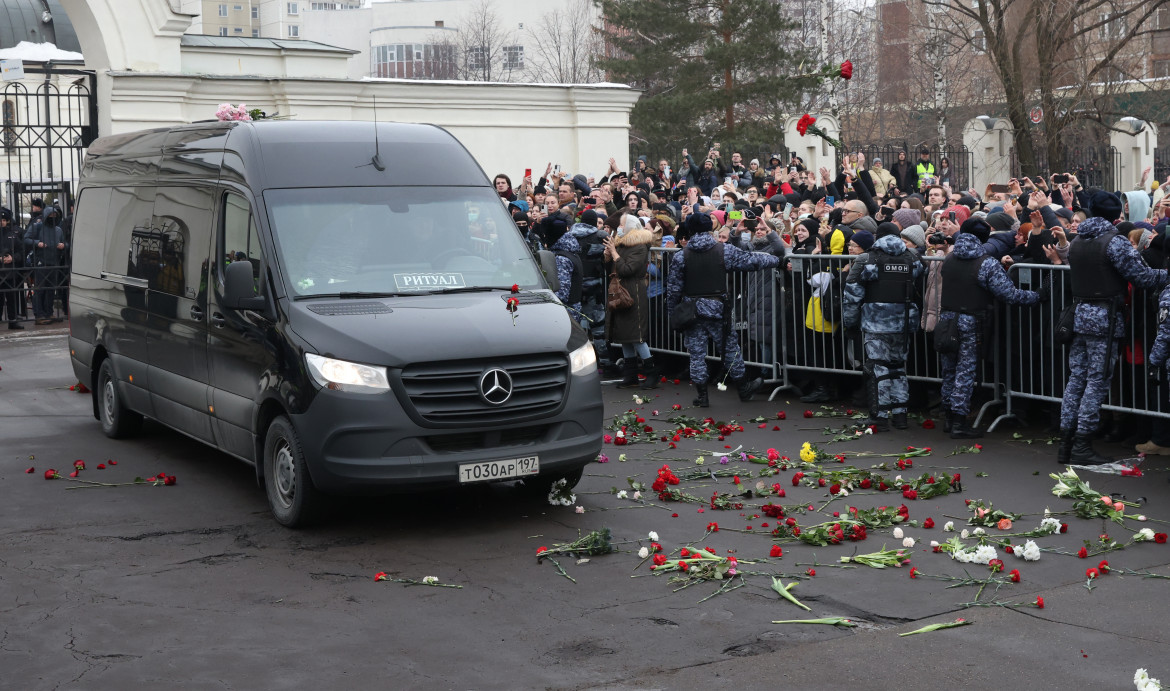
<point x="714" y="70"/>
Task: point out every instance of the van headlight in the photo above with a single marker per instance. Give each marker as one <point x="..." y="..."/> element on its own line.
<point x="583" y="359"/>
<point x="339" y="375"/>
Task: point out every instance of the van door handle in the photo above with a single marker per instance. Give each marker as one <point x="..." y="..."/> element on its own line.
<point x="218" y="321"/>
<point x="196" y="313"/>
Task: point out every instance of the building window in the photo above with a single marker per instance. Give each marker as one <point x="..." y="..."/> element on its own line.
<point x="255" y="33"/>
<point x="294" y="31"/>
<point x="237" y="30"/>
<point x="1111" y="29"/>
<point x="255" y="13"/>
<point x="476" y="58"/>
<point x="1162" y="19"/>
<point x="238" y="8"/>
<point x="223" y="31"/>
<point x="292" y="8"/>
<point x="979" y="41"/>
<point x="413" y="61"/>
<point x="513" y="57"/>
<point x="223" y="10"/>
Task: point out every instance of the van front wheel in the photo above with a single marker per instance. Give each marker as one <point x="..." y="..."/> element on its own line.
<point x="117" y="420"/>
<point x="293" y="498"/>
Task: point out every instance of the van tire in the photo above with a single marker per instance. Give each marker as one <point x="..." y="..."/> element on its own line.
<point x="292" y="496"/>
<point x="117" y="420"/>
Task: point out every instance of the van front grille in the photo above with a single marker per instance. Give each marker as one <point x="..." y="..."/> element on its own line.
<point x="472" y="441"/>
<point x="449" y="392"/>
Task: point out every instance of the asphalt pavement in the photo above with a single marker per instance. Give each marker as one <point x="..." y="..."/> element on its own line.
<point x="195" y="586"/>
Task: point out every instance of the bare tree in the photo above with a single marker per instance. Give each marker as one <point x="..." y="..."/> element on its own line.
<point x="486" y="51"/>
<point x="1063" y="52"/>
<point x="565" y="45"/>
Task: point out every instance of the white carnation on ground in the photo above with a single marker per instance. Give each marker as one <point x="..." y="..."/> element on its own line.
<point x="898" y="533"/>
<point x="908" y="542"/>
<point x="430" y="579"/>
<point x="1143" y="534"/>
<point x="1050" y="525"/>
<point x="949" y="527"/>
<point x="1142" y="681"/>
<point x="621" y="494"/>
<point x="653" y="536"/>
<point x="984" y="554"/>
<point x="644" y="552"/>
<point x="1031" y="551"/>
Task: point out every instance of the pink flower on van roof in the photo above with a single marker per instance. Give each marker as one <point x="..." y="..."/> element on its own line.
<point x="228" y="112"/>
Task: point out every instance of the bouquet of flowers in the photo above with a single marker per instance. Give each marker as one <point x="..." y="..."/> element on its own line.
<point x="807" y="123"/>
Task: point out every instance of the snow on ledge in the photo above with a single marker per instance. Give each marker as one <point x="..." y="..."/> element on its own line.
<point x="39" y="52"/>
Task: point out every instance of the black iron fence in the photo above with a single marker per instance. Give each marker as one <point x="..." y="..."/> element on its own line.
<point x="1094" y="166"/>
<point x="958" y="159"/>
<point x="1162" y="164"/>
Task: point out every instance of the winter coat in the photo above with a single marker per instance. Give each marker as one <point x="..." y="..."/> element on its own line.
<point x="51" y="235"/>
<point x="878" y="317"/>
<point x="632" y="324"/>
<point x="734" y="259"/>
<point x="882" y="181"/>
<point x="1092" y="318"/>
<point x="905" y="176"/>
<point x="566" y="243"/>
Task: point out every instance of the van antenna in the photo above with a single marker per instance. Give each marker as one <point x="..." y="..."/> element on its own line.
<point x="377" y="159"/>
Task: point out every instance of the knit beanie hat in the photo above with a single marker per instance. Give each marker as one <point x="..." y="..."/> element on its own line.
<point x="863" y="238"/>
<point x="1104" y="205"/>
<point x="907" y="217"/>
<point x="916" y="235"/>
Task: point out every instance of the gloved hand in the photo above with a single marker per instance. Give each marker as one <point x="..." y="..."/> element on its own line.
<point x="1156" y="375"/>
<point x="1045" y="293"/>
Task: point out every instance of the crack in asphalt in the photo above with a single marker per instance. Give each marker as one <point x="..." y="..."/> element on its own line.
<point x="166" y="533"/>
<point x="1090" y="628"/>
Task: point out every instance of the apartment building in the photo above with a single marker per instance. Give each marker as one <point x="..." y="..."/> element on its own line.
<point x="259" y="18"/>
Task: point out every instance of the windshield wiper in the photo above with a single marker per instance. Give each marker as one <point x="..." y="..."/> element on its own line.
<point x="352" y="296"/>
<point x="468" y="289"/>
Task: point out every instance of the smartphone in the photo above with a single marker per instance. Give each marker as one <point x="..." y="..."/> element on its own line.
<point x="544" y="207"/>
<point x="735" y="216"/>
<point x="1039" y="180"/>
<point x="716" y="146"/>
<point x="788" y="238"/>
<point x="791" y="169"/>
<point x="1000" y="189"/>
<point x="951" y="216"/>
<point x="830" y="200"/>
<point x="527" y="173"/>
<point x="557" y="169"/>
<point x="787" y="209"/>
<point x="1060" y="179"/>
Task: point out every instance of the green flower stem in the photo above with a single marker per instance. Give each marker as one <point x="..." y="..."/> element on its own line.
<point x="829" y="621"/>
<point x="936" y="627"/>
<point x="783" y="591"/>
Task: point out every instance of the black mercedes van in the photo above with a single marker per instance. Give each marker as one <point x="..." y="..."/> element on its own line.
<point x="327" y="301"/>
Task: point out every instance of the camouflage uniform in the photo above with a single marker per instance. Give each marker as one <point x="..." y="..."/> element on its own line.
<point x="590" y="240"/>
<point x="886" y="327"/>
<point x="565" y="270"/>
<point x="958" y="369"/>
<point x="710" y="324"/>
<point x="1089" y="373"/>
<point x="1160" y="351"/>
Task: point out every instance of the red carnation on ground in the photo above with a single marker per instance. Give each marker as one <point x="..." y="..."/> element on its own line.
<point x="1160" y="538"/>
<point x="914" y="572"/>
<point x="910" y="494"/>
<point x="1091" y="573"/>
<point x="1082" y="553"/>
<point x="51" y="474"/>
<point x="811" y="572"/>
<point x="808" y="413"/>
<point x="1103" y="567"/>
<point x="380" y="576"/>
<point x="782" y="415"/>
<point x="847" y="70"/>
<point x="1039" y="602"/>
<point x="31" y="470"/>
<point x="111" y="462"/>
<point x="866" y="483"/>
<point x="928" y="523"/>
<point x="928" y="424"/>
<point x="541" y="550"/>
<point x="659" y="559"/>
<point x="1015" y="574"/>
<point x="835" y="489"/>
<point x="776" y="551"/>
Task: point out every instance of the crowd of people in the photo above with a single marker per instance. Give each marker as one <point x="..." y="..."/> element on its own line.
<point x="34" y="259"/>
<point x="730" y="214"/>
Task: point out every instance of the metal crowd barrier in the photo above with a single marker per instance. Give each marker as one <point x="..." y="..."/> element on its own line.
<point x="1038" y="365"/>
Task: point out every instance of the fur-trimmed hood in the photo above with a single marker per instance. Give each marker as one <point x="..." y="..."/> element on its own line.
<point x="635" y="237"/>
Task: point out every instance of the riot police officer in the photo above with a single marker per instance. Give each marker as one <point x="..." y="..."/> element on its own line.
<point x="698" y="276"/>
<point x="880" y="298"/>
<point x="972" y="281"/>
<point x="11" y="262"/>
<point x="1101" y="263"/>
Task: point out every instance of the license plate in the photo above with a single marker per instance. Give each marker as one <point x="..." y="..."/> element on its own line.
<point x="499" y="470"/>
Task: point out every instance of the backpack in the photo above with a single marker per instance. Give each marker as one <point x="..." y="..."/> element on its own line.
<point x="547" y="260"/>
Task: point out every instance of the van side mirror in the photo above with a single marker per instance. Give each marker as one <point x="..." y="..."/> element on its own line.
<point x="240" y="287"/>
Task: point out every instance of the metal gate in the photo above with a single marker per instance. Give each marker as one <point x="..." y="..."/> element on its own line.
<point x="46" y="122"/>
<point x="1094" y="166"/>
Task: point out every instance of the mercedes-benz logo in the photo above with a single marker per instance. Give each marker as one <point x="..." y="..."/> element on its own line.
<point x="495" y="385"/>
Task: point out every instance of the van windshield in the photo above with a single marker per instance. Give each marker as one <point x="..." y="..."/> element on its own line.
<point x="394" y="240"/>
